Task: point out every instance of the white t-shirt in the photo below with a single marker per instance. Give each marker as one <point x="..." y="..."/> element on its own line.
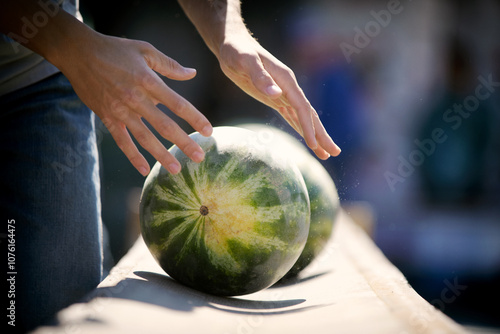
<point x="21" y="67"/>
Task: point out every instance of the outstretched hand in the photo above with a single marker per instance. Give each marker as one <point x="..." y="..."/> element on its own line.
<point x="262" y="76"/>
<point x="116" y="78"/>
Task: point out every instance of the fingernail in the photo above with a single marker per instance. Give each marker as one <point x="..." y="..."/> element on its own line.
<point x="198" y="156"/>
<point x="143" y="170"/>
<point x="338" y="148"/>
<point x="206" y="131"/>
<point x="273" y="90"/>
<point x="189" y="70"/>
<point x="174" y="168"/>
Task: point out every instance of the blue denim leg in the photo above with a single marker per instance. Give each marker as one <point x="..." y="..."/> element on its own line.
<point x="49" y="181"/>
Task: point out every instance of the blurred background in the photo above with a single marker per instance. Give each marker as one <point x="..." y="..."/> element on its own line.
<point x="410" y="90"/>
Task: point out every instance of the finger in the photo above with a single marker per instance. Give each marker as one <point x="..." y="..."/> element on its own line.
<point x="295" y="97"/>
<point x="150" y="143"/>
<point x="167" y="66"/>
<point x="171" y="131"/>
<point x="260" y="77"/>
<point x="324" y="139"/>
<point x="291" y="117"/>
<point x="321" y="153"/>
<point x="304" y="113"/>
<point x="181" y="107"/>
<point x="289" y="114"/>
<point x="125" y="143"/>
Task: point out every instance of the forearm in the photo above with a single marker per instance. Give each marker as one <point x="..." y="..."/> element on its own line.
<point x="41" y="26"/>
<point x="215" y="20"/>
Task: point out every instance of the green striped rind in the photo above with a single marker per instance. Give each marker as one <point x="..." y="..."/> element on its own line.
<point x="257" y="222"/>
<point x="323" y="196"/>
<point x="325" y="206"/>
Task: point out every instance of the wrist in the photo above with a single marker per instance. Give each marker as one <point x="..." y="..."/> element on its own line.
<point x="216" y="21"/>
<point x="233" y="36"/>
<point x="66" y="34"/>
<point x="43" y="27"/>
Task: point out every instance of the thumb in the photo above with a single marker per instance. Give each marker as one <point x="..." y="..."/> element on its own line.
<point x="263" y="81"/>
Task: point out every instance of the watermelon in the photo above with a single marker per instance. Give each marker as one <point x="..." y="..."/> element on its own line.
<point x="323" y="196"/>
<point x="231" y="225"/>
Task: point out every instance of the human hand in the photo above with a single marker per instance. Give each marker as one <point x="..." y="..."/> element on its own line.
<point x="116" y="78"/>
<point x="262" y="76"/>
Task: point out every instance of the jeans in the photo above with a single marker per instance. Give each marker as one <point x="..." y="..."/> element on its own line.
<point x="50" y="191"/>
